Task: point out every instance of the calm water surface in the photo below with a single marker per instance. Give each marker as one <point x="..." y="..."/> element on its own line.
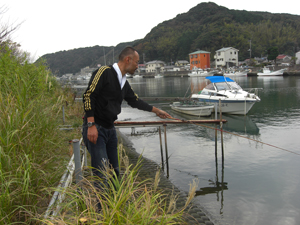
<point x="258" y="182"/>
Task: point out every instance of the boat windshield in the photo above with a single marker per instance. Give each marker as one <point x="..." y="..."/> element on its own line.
<point x="222" y="86"/>
<point x="234" y="86"/>
<point x="210" y="86"/>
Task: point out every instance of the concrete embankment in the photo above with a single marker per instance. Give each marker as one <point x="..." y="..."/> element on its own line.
<point x="193" y="214"/>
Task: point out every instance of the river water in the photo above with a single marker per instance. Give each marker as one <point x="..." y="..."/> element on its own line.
<point x="257" y="181"/>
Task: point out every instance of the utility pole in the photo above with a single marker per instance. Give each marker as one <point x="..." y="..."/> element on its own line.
<point x="104" y="56"/>
<point x="250" y="49"/>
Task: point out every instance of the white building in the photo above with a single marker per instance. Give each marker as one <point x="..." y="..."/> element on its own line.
<point x="227" y="57"/>
<point x="298" y="57"/>
<point x="154" y="66"/>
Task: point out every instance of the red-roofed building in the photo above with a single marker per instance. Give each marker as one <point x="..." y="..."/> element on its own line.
<point x="284" y="58"/>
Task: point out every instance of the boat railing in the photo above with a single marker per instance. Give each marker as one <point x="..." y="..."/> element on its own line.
<point x="255" y="90"/>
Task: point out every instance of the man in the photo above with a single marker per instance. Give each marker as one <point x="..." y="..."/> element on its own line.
<point x="102" y="103"/>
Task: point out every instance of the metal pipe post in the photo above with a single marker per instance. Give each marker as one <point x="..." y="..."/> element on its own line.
<point x="77" y="160"/>
<point x="221" y="128"/>
<point x="161" y="149"/>
<point x="166" y="149"/>
<point x="63" y="109"/>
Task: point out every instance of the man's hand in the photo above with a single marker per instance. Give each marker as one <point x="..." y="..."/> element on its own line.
<point x="92" y="133"/>
<point x="160" y="113"/>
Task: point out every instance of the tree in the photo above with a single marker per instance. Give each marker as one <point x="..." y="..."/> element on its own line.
<point x="273" y="53"/>
<point x="6" y="29"/>
<point x="6" y="42"/>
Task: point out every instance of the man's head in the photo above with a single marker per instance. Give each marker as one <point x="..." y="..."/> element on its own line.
<point x="128" y="60"/>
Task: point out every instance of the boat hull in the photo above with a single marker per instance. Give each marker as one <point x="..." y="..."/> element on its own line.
<point x="193" y="110"/>
<point x="229" y="106"/>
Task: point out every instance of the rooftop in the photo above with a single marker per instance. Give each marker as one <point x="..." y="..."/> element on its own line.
<point x="198" y="52"/>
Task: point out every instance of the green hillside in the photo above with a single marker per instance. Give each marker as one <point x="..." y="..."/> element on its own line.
<point x="207" y="26"/>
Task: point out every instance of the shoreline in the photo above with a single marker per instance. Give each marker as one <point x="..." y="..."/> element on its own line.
<point x="194" y="214"/>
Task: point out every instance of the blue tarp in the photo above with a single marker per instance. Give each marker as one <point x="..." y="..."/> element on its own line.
<point x="218" y="79"/>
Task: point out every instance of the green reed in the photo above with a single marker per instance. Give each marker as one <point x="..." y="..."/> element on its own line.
<point x="32" y="150"/>
<point x="124" y="201"/>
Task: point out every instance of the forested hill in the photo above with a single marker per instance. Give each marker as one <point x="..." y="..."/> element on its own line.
<point x="207" y="27"/>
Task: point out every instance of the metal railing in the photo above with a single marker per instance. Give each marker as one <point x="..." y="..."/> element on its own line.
<point x="75" y="165"/>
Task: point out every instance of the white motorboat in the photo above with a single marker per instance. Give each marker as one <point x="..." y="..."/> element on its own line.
<point x="194" y="108"/>
<point x="267" y="72"/>
<point x="234" y="100"/>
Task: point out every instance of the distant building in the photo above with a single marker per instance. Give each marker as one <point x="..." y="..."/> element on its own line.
<point x="87" y="70"/>
<point x="298" y="57"/>
<point x="154" y="66"/>
<point x="181" y="63"/>
<point x="227" y="57"/>
<point x="142" y="68"/>
<point x="284" y="60"/>
<point x="199" y="59"/>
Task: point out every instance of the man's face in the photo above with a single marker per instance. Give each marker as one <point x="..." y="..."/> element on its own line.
<point x="133" y="63"/>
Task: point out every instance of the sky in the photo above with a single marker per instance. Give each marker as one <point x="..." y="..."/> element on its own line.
<point x="57" y="25"/>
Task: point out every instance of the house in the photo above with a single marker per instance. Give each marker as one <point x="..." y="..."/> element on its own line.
<point x="171" y="68"/>
<point x="181" y="63"/>
<point x="227" y="57"/>
<point x="154" y="66"/>
<point x="298" y="57"/>
<point x="142" y="68"/>
<point x="199" y="59"/>
<point x="284" y="60"/>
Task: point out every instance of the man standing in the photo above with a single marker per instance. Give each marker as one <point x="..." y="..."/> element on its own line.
<point x="102" y="103"/>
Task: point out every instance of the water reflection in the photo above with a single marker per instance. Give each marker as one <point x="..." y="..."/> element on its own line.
<point x="216" y="186"/>
<point x="240" y="124"/>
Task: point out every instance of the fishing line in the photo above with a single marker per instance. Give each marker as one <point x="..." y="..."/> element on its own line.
<point x="238" y="136"/>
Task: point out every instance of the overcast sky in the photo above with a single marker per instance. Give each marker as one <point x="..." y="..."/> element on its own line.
<point x="51" y="26"/>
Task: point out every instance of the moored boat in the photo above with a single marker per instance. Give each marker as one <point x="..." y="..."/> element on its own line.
<point x="234" y="100"/>
<point x="267" y="72"/>
<point x="193" y="108"/>
<point x="158" y="76"/>
<point x="198" y="72"/>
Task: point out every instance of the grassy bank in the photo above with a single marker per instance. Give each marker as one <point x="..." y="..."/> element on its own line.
<point x="127" y="200"/>
<point x="34" y="154"/>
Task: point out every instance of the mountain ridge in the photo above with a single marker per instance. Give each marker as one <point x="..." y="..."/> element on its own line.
<point x="206" y="26"/>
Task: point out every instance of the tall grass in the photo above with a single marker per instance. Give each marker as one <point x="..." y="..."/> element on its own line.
<point x="31" y="146"/>
<point x="124" y="201"/>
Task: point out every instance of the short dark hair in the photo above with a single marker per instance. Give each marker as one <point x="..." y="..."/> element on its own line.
<point x="126" y="51"/>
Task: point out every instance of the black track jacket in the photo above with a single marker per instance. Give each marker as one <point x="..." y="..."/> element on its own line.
<point x="103" y="97"/>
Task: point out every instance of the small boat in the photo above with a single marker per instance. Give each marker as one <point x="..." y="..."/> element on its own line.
<point x="198" y="72"/>
<point x="235" y="73"/>
<point x="234" y="100"/>
<point x="137" y="76"/>
<point x="267" y="72"/>
<point x="158" y="76"/>
<point x="193" y="108"/>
